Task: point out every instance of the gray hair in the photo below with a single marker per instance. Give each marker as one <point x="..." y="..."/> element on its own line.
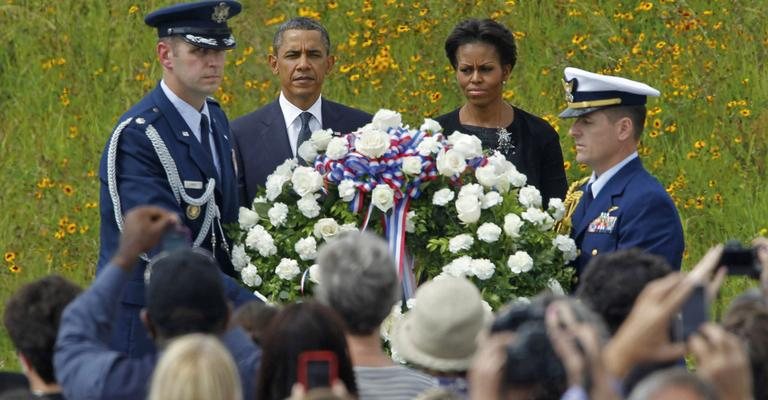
<point x="301" y="24"/>
<point x="650" y="387"/>
<point x="358" y="280"/>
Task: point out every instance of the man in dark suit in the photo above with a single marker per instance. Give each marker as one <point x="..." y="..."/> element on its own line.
<point x="622" y="205"/>
<point x="172" y="150"/>
<point x="270" y="135"/>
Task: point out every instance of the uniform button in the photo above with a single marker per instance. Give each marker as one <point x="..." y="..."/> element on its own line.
<point x="594" y="252"/>
<point x="155" y="109"/>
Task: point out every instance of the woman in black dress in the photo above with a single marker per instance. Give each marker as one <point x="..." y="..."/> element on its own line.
<point x="483" y="53"/>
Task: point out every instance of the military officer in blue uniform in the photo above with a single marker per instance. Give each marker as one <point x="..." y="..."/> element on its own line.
<point x="172" y="149"/>
<point x="622" y="205"/>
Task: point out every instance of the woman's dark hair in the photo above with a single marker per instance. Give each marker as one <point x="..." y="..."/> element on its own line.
<point x="295" y="329"/>
<point x="483" y="31"/>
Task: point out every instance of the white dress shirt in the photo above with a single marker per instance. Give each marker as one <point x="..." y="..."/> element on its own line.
<point x="599" y="182"/>
<point x="291" y="114"/>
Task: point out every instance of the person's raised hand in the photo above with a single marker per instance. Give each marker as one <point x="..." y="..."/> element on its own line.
<point x="143" y="228"/>
<point x="486" y="373"/>
<point x="721" y="360"/>
<point x="761" y="248"/>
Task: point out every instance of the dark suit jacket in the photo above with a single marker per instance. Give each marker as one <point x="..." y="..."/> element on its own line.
<point x="646" y="218"/>
<point x="261" y="141"/>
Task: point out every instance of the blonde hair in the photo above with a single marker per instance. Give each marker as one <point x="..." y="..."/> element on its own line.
<point x="196" y="367"/>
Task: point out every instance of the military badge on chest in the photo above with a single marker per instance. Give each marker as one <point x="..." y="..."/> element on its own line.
<point x="605" y="223"/>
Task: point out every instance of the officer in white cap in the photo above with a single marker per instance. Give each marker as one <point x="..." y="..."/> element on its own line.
<point x="621" y="205"/>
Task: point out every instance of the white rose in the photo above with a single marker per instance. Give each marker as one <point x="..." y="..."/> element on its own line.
<point x="501" y="167"/>
<point x="308" y="152"/>
<point x="321" y="138"/>
<point x="512" y="225"/>
<point x="239" y="257"/>
<point x="287" y="269"/>
<point x="520" y="262"/>
<point x="567" y="246"/>
<point x="471" y="189"/>
<point x="431" y="125"/>
<point x="482" y="268"/>
<point x="350" y="227"/>
<point x="429" y="145"/>
<point x="486" y="176"/>
<point x="468" y="209"/>
<point x="491" y="199"/>
<point x="516" y="178"/>
<point x="410" y="225"/>
<point x="556" y="208"/>
<point x="541" y="219"/>
<point x="469" y="145"/>
<point x="314" y="274"/>
<point x="278" y="214"/>
<point x="555" y="287"/>
<point x="488" y="232"/>
<point x="308" y="206"/>
<point x="385" y="119"/>
<point x="383" y="197"/>
<point x="450" y="163"/>
<point x="326" y="228"/>
<point x="347" y="190"/>
<point x="442" y="197"/>
<point x="337" y="148"/>
<point x="372" y="143"/>
<point x="260" y="240"/>
<point x="459" y="267"/>
<point x="306" y="248"/>
<point x="251" y="276"/>
<point x="529" y="197"/>
<point x="286" y="168"/>
<point x="306" y="181"/>
<point x="258" y="200"/>
<point x="275" y="186"/>
<point x="460" y="242"/>
<point x="247" y="218"/>
<point x="412" y="165"/>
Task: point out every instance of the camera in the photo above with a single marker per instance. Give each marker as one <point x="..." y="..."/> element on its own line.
<point x="740" y="260"/>
<point x="317" y="368"/>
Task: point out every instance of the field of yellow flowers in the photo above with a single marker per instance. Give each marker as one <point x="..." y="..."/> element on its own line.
<point x="70" y="68"/>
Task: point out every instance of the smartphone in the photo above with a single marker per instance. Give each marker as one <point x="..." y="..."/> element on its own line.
<point x="695" y="312"/>
<point x="317" y="368"/>
<point x="177" y="237"/>
<point x="741" y="261"/>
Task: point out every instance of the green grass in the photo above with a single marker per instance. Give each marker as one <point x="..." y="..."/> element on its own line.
<point x="68" y="69"/>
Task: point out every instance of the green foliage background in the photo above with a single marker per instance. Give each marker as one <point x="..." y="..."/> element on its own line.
<point x="68" y="69"/>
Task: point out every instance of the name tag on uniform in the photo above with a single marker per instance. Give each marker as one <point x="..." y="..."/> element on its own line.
<point x="602" y="224"/>
<point x="193" y="184"/>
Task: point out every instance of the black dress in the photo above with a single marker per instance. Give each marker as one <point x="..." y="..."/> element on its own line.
<point x="535" y="149"/>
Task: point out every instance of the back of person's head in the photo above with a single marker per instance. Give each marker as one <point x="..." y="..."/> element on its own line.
<point x="301" y="24"/>
<point x="32" y="317"/>
<point x="358" y="280"/>
<point x="195" y="367"/>
<point x="747" y="317"/>
<point x="254" y="317"/>
<point x="611" y="283"/>
<point x="295" y="329"/>
<point x="673" y="384"/>
<point x="185" y="295"/>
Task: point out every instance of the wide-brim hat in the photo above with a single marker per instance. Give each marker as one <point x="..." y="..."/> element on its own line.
<point x="440" y="331"/>
<point x="201" y="24"/>
<point x="586" y="92"/>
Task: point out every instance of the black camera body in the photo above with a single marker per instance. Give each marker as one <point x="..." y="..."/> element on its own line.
<point x="741" y="260"/>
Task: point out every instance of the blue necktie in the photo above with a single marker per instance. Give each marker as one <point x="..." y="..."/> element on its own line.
<point x="304" y="134"/>
<point x="205" y="141"/>
<point x="587" y="196"/>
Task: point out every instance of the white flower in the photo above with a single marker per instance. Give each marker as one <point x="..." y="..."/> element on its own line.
<point x="567" y="246"/>
<point x="287" y="269"/>
<point x="306" y="248"/>
<point x="412" y="165"/>
<point x="488" y="232"/>
<point x="512" y="225"/>
<point x="251" y="276"/>
<point x="471" y="189"/>
<point x="468" y="145"/>
<point x="260" y="240"/>
<point x="314" y="274"/>
<point x="239" y="257"/>
<point x="556" y="208"/>
<point x="486" y="176"/>
<point x="482" y="268"/>
<point x="516" y="178"/>
<point x="372" y="143"/>
<point x="306" y="181"/>
<point x="431" y="125"/>
<point x="450" y="163"/>
<point x="385" y="119"/>
<point x="555" y="287"/>
<point x="429" y="145"/>
<point x="460" y="242"/>
<point x="258" y="200"/>
<point x="459" y="267"/>
<point x="247" y="218"/>
<point x="468" y="209"/>
<point x="321" y="138"/>
<point x="337" y="148"/>
<point x="491" y="199"/>
<point x="541" y="219"/>
<point x="347" y="190"/>
<point x="520" y="262"/>
<point x="286" y="168"/>
<point x="326" y="228"/>
<point x="308" y="152"/>
<point x="386" y="326"/>
<point x="275" y="186"/>
<point x="383" y="197"/>
<point x="442" y="197"/>
<point x="308" y="206"/>
<point x="529" y="197"/>
<point x="410" y="226"/>
<point x="278" y="214"/>
<point x="350" y="227"/>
